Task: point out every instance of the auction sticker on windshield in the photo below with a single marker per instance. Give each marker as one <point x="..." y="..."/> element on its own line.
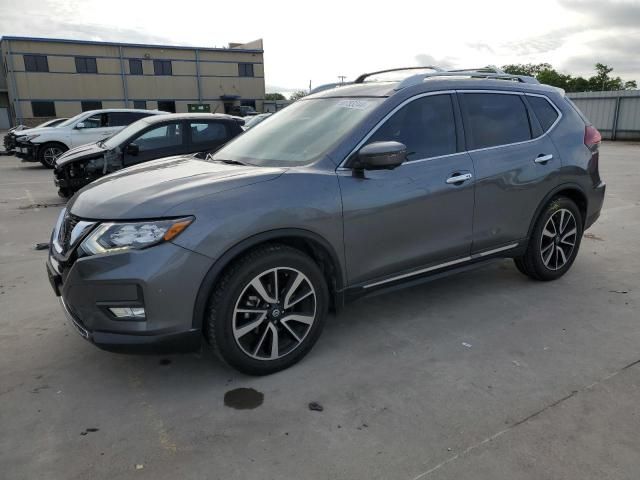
<point x="356" y="104"/>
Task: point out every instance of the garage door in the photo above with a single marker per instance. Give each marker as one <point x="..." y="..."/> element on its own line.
<point x="4" y="119"/>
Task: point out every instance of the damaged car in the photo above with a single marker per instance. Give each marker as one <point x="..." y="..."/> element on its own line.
<point x="10" y="138"/>
<point x="147" y="139"/>
<point x="45" y="145"/>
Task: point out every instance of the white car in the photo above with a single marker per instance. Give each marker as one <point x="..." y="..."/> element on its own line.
<point x="47" y="144"/>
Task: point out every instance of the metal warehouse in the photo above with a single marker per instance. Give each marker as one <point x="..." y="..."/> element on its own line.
<point x="43" y="78"/>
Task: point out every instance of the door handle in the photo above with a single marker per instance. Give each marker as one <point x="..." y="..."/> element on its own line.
<point x="459" y="178"/>
<point x="543" y="158"/>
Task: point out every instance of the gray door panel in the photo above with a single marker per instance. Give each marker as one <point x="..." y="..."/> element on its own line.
<point x="509" y="187"/>
<point x="397" y="220"/>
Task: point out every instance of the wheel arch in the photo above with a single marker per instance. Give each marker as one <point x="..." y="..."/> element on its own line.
<point x="571" y="190"/>
<point x="312" y="244"/>
<point x="53" y="142"/>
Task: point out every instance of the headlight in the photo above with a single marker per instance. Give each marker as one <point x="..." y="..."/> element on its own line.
<point x="26" y="138"/>
<point x="112" y="237"/>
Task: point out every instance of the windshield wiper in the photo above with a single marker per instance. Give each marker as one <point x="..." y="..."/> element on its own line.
<point x="228" y="162"/>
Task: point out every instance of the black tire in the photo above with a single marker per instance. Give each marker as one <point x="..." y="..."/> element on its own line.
<point x="222" y="323"/>
<point x="44" y="151"/>
<point x="549" y="257"/>
<point x="65" y="193"/>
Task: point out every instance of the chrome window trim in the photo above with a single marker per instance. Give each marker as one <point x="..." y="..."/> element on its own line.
<point x="341" y="166"/>
<point x="442" y="265"/>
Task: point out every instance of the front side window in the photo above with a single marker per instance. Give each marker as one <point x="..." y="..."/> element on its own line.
<point x="493" y="119"/>
<point x="206" y="132"/>
<point x="87" y="105"/>
<point x="245" y="70"/>
<point x="36" y="63"/>
<point x="164" y="136"/>
<point x="98" y="120"/>
<point x="86" y="65"/>
<point x="43" y="109"/>
<point x="426" y="126"/>
<point x="162" y="67"/>
<point x="301" y="133"/>
<point x="547" y="115"/>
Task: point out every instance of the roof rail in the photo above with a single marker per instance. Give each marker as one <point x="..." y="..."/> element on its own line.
<point x="362" y="77"/>
<point x="482" y="73"/>
<point x="487" y="69"/>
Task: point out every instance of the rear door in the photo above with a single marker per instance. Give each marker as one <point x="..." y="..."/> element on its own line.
<point x="208" y="135"/>
<point x="157" y="141"/>
<point x="416" y="217"/>
<point x="515" y="162"/>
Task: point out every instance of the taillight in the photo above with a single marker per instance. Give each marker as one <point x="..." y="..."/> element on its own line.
<point x="591" y="136"/>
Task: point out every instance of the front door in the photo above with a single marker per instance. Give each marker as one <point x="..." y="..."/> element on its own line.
<point x="94" y="129"/>
<point x="398" y="222"/>
<point x="515" y="165"/>
<point x="158" y="141"/>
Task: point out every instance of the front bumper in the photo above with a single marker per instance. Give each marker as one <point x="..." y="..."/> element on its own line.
<point x="164" y="279"/>
<point x="9" y="142"/>
<point x="25" y="151"/>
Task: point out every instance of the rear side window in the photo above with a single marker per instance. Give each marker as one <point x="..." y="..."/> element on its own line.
<point x="426" y="126"/>
<point x="547" y="115"/>
<point x="205" y="132"/>
<point x="493" y="119"/>
<point x="122" y="119"/>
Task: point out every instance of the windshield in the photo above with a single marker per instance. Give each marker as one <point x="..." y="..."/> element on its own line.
<point x="300" y="133"/>
<point x="72" y="120"/>
<point x="117" y="139"/>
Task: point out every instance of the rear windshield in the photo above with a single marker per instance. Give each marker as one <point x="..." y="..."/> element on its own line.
<point x="299" y="134"/>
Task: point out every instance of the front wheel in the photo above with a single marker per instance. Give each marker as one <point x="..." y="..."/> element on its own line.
<point x="554" y="243"/>
<point x="268" y="309"/>
<point x="49" y="153"/>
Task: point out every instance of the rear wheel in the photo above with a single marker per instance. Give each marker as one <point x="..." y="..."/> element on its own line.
<point x="49" y="153"/>
<point x="268" y="309"/>
<point x="554" y="243"/>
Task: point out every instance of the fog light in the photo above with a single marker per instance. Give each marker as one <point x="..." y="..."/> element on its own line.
<point x="128" y="312"/>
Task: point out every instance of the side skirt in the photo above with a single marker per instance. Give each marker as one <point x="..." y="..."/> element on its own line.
<point x="433" y="273"/>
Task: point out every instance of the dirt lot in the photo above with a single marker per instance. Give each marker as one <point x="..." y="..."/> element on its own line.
<point x="484" y="375"/>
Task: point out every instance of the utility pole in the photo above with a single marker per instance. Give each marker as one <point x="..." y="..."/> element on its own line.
<point x="309" y="86"/>
<point x="342" y="77"/>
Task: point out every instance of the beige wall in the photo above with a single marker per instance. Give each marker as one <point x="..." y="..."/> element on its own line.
<point x="218" y="71"/>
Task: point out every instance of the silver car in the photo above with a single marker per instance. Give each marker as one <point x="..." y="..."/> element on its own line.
<point x="348" y="192"/>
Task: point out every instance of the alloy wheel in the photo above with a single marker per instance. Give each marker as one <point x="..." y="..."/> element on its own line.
<point x="51" y="154"/>
<point x="558" y="239"/>
<point x="274" y="313"/>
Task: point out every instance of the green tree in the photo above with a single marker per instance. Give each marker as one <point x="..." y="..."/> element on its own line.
<point x="298" y="94"/>
<point x="274" y="96"/>
<point x="530" y="69"/>
<point x="545" y="73"/>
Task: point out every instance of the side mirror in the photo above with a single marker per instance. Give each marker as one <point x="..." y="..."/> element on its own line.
<point x="132" y="149"/>
<point x="80" y="125"/>
<point x="381" y="156"/>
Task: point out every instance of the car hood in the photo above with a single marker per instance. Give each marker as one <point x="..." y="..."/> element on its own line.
<point x="33" y="131"/>
<point x="81" y="152"/>
<point x="150" y="189"/>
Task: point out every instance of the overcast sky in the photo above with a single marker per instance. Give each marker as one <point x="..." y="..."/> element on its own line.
<point x="320" y="40"/>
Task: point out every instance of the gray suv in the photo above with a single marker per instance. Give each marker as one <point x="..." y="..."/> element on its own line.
<point x="348" y="192"/>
